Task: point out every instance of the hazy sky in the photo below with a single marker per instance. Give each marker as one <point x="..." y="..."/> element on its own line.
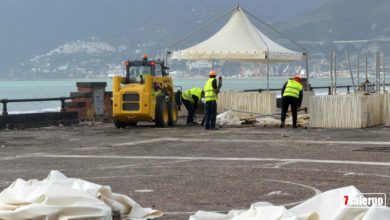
<point x="32" y="27"/>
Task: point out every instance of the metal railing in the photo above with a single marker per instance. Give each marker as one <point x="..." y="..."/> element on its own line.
<point x="348" y="87"/>
<point x="6" y="101"/>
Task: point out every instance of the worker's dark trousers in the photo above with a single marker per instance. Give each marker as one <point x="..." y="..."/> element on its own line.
<point x="190" y="109"/>
<point x="286" y="101"/>
<point x="211" y="114"/>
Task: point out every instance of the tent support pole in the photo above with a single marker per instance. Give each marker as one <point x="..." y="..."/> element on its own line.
<point x="268" y="70"/>
<point x="285" y="36"/>
<point x="335" y="72"/>
<point x="166" y="57"/>
<point x="331" y="72"/>
<point x="194" y="32"/>
<point x="358" y="73"/>
<point x="276" y="30"/>
<point x="377" y="72"/>
<point x="307" y="72"/>
<point x="384" y="72"/>
<point x="366" y="86"/>
<point x="350" y="69"/>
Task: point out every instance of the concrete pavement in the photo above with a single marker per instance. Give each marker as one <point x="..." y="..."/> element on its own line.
<point x="184" y="169"/>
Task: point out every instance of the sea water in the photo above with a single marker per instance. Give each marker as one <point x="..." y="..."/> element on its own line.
<point x="62" y="88"/>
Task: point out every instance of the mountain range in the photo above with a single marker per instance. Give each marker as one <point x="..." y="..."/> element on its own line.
<point x="89" y="38"/>
<point x="342" y="20"/>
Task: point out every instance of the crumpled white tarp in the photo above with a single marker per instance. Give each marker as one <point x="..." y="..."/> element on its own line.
<point x="228" y="118"/>
<point x="325" y="206"/>
<point x="302" y="120"/>
<point x="268" y="121"/>
<point x="61" y="198"/>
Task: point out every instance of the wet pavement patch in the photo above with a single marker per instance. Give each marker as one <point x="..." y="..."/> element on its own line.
<point x="374" y="149"/>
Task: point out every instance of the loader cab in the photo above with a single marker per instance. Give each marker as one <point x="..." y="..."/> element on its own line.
<point x="138" y="69"/>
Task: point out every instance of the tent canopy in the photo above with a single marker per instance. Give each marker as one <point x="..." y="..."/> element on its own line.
<point x="239" y="40"/>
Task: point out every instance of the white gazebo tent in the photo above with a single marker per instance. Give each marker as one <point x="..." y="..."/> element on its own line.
<point x="239" y="40"/>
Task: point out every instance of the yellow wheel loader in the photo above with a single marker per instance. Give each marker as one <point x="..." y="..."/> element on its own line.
<point x="146" y="93"/>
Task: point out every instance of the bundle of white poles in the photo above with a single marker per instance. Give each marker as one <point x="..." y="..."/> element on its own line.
<point x="349" y="111"/>
<point x="261" y="103"/>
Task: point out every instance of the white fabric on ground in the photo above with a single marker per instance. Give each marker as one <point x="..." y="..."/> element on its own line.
<point x="302" y="120"/>
<point x="268" y="121"/>
<point x="61" y="198"/>
<point x="325" y="206"/>
<point x="228" y="118"/>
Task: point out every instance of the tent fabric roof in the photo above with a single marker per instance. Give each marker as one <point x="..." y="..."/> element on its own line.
<point x="239" y="40"/>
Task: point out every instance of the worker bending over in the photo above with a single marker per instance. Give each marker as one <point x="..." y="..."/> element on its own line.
<point x="190" y="99"/>
<point x="291" y="95"/>
<point x="211" y="90"/>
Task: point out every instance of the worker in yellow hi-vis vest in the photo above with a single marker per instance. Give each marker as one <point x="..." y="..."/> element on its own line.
<point x="190" y="99"/>
<point x="291" y="95"/>
<point x="211" y="90"/>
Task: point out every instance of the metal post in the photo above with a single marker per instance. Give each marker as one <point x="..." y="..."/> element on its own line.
<point x="377" y="72"/>
<point x="366" y="66"/>
<point x="358" y="73"/>
<point x="268" y="71"/>
<point x="63" y="104"/>
<point x="329" y="90"/>
<point x="331" y="72"/>
<point x="350" y="70"/>
<point x="335" y="72"/>
<point x="366" y="83"/>
<point x="167" y="53"/>
<point x="5" y="111"/>
<point x="384" y="72"/>
<point x="307" y="72"/>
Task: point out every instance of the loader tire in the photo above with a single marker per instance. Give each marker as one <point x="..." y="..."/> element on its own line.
<point x="162" y="112"/>
<point x="132" y="124"/>
<point x="119" y="124"/>
<point x="172" y="107"/>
